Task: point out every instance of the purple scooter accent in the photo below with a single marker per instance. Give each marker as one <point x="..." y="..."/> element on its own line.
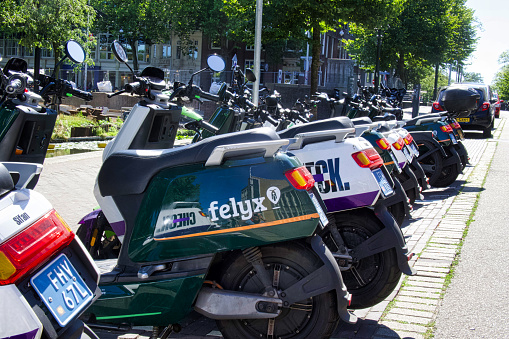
<point x="350" y="202"/>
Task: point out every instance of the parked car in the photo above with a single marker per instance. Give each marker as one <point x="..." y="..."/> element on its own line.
<point x="498" y="105"/>
<point x="481" y="119"/>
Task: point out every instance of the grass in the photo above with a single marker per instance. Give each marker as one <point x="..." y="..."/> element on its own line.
<point x="65" y="123"/>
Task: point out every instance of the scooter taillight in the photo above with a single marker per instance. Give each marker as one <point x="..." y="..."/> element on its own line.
<point x="408" y="139"/>
<point x="455" y="125"/>
<point x="398" y="144"/>
<point x="446" y="128"/>
<point x="27" y="250"/>
<point x="368" y="158"/>
<point x="300" y="178"/>
<point x="383" y="143"/>
<point x="437" y="106"/>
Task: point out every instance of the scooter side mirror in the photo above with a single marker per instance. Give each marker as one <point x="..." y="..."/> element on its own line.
<point x="216" y="63"/>
<point x="119" y="52"/>
<point x="250" y="76"/>
<point x="74" y="51"/>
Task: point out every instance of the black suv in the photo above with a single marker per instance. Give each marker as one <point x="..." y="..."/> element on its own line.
<point x="481" y="119"/>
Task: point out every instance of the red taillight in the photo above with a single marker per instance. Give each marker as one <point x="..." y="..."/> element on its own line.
<point x="368" y="158"/>
<point x="437" y="107"/>
<point x="383" y="143"/>
<point x="485" y="106"/>
<point x="455" y="125"/>
<point x="27" y="250"/>
<point x="300" y="178"/>
<point x="399" y="144"/>
<point x="408" y="139"/>
<point x="446" y="128"/>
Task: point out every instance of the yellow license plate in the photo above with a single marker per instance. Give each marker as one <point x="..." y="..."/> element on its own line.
<point x="463" y="119"/>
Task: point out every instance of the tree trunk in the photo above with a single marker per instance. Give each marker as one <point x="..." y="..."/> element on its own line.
<point x="315" y="63"/>
<point x="400" y="69"/>
<point x="37" y="66"/>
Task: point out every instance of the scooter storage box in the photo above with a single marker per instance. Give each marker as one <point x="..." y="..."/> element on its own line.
<point x="27" y="131"/>
<point x="460" y="101"/>
<point x="159" y="129"/>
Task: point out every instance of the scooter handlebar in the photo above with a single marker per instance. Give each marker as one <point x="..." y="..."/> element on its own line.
<point x="87" y="96"/>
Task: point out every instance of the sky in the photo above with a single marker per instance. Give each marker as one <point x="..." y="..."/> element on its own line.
<point x="492" y="39"/>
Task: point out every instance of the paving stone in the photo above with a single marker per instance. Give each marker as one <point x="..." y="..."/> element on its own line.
<point x="431" y="269"/>
<point x="439" y="263"/>
<point x="427" y="295"/>
<point x="415" y="306"/>
<point x="421" y="289"/>
<point x="394" y="325"/>
<point x="424" y="278"/>
<point x="410" y="312"/>
<point x="426" y="284"/>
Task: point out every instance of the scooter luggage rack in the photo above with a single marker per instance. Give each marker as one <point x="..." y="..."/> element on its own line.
<point x="359" y="129"/>
<point x="269" y="147"/>
<point x="299" y="141"/>
<point x="25" y="171"/>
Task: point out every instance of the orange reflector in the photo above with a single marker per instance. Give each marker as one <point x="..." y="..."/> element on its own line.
<point x="399" y="144"/>
<point x="446" y="128"/>
<point x="19" y="151"/>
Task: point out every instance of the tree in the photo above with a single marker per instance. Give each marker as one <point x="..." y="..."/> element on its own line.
<point x="501" y="80"/>
<point x="473" y="77"/>
<point x="148" y="21"/>
<point x="425" y="34"/>
<point x="284" y="19"/>
<point x="46" y="23"/>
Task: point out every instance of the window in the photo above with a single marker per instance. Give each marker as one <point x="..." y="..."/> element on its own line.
<point x="105" y="41"/>
<point x="46" y="53"/>
<point x="248" y="64"/>
<point x="250" y="47"/>
<point x="143" y="52"/>
<point x="11" y="47"/>
<point x="166" y="51"/>
<point x="215" y="43"/>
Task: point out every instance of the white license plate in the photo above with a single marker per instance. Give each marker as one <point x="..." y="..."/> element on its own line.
<point x="453" y="138"/>
<point x="323" y="218"/>
<point x="414" y="149"/>
<point x="382" y="182"/>
<point x="62" y="289"/>
<point x="407" y="154"/>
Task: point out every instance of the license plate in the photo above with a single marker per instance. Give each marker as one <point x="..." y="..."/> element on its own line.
<point x="407" y="154"/>
<point x="453" y="138"/>
<point x="62" y="289"/>
<point x="323" y="218"/>
<point x="414" y="149"/>
<point x="382" y="182"/>
<point x="463" y="119"/>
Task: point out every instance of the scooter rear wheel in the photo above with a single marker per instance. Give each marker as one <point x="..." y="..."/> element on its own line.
<point x="432" y="164"/>
<point x="315" y="317"/>
<point x="370" y="280"/>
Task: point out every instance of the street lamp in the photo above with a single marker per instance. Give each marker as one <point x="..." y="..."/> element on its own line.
<point x="378" y="52"/>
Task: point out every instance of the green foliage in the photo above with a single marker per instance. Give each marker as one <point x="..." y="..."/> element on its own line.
<point x="428" y="83"/>
<point x="501" y="82"/>
<point x="46" y="23"/>
<point x="473" y="77"/>
<point x="426" y="32"/>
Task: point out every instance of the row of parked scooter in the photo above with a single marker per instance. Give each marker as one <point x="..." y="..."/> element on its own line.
<point x="272" y="225"/>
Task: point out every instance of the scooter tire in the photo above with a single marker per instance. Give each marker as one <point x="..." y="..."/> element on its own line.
<point x="462" y="152"/>
<point x="432" y="164"/>
<point x="315" y="317"/>
<point x="371" y="279"/>
<point x="448" y="174"/>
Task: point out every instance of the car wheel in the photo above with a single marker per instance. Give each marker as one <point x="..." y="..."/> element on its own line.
<point x="486" y="133"/>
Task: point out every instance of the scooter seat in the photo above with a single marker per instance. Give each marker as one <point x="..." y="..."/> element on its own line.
<point x="321" y="125"/>
<point x="130" y="171"/>
<point x="362" y="121"/>
<point x="413" y="121"/>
